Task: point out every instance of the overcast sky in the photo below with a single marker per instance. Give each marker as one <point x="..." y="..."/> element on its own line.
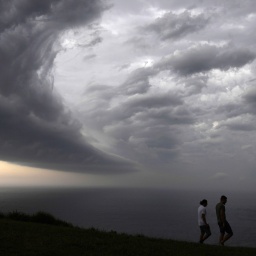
<point x="129" y="93"/>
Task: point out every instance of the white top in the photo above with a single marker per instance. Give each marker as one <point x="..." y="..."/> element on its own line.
<point x="201" y="210"/>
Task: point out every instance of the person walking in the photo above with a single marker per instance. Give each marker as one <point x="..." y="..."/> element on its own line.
<point x="205" y="230"/>
<point x="225" y="229"/>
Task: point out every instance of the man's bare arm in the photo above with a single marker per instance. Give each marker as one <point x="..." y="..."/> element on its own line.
<point x="222" y="216"/>
<point x="204" y="219"/>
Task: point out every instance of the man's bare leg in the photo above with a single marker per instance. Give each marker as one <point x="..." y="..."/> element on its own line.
<point x="206" y="236"/>
<point x="225" y="238"/>
<point x="221" y="239"/>
<point x="202" y="238"/>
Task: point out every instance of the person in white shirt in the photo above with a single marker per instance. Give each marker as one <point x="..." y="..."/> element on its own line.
<point x="202" y="223"/>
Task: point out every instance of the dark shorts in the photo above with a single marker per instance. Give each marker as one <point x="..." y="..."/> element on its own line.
<point x="205" y="229"/>
<point x="226" y="228"/>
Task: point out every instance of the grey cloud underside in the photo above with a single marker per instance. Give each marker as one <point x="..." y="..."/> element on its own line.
<point x="151" y="126"/>
<point x="175" y="26"/>
<point x="250" y="96"/>
<point x="145" y="125"/>
<point x="35" y="127"/>
<point x="241" y="114"/>
<point x="241" y="127"/>
<point x="154" y="113"/>
<point x="204" y="58"/>
<point x="249" y="100"/>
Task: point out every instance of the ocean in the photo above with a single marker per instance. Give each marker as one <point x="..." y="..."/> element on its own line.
<point x="170" y="214"/>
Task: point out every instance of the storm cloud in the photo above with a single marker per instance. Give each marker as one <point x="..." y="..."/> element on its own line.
<point x="36" y="127"/>
<point x="203" y="58"/>
<point x="174" y="26"/>
<point x="102" y="86"/>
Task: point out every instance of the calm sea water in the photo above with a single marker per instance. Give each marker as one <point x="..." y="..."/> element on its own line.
<point x="155" y="213"/>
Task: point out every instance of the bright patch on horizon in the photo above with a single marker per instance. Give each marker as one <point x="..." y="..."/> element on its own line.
<point x="18" y="175"/>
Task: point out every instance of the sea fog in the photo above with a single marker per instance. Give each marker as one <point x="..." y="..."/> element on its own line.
<point x="151" y="212"/>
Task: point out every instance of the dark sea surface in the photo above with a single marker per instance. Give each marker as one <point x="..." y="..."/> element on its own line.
<point x="156" y="213"/>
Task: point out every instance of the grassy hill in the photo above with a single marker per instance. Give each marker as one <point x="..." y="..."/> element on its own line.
<point x="33" y="236"/>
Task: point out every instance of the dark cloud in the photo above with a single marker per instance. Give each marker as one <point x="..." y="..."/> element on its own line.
<point x="229" y="8"/>
<point x="138" y="81"/>
<point x="160" y="91"/>
<point x="241" y="123"/>
<point x="187" y="109"/>
<point x="204" y="58"/>
<point x="232" y="109"/>
<point x="240" y="114"/>
<point x="193" y="84"/>
<point x="153" y="101"/>
<point x="250" y="96"/>
<point x="240" y="126"/>
<point x="250" y="100"/>
<point x="59" y="13"/>
<point x="36" y="128"/>
<point x="147" y="141"/>
<point x="89" y="56"/>
<point x="142" y="125"/>
<point x="160" y="144"/>
<point x="167" y="116"/>
<point x="174" y="26"/>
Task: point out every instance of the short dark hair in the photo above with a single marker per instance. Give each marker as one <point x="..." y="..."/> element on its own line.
<point x="223" y="198"/>
<point x="204" y="201"/>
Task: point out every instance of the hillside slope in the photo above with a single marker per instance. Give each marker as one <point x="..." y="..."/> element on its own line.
<point x="27" y="238"/>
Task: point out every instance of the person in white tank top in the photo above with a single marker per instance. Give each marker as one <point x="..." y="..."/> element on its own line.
<point x="205" y="230"/>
